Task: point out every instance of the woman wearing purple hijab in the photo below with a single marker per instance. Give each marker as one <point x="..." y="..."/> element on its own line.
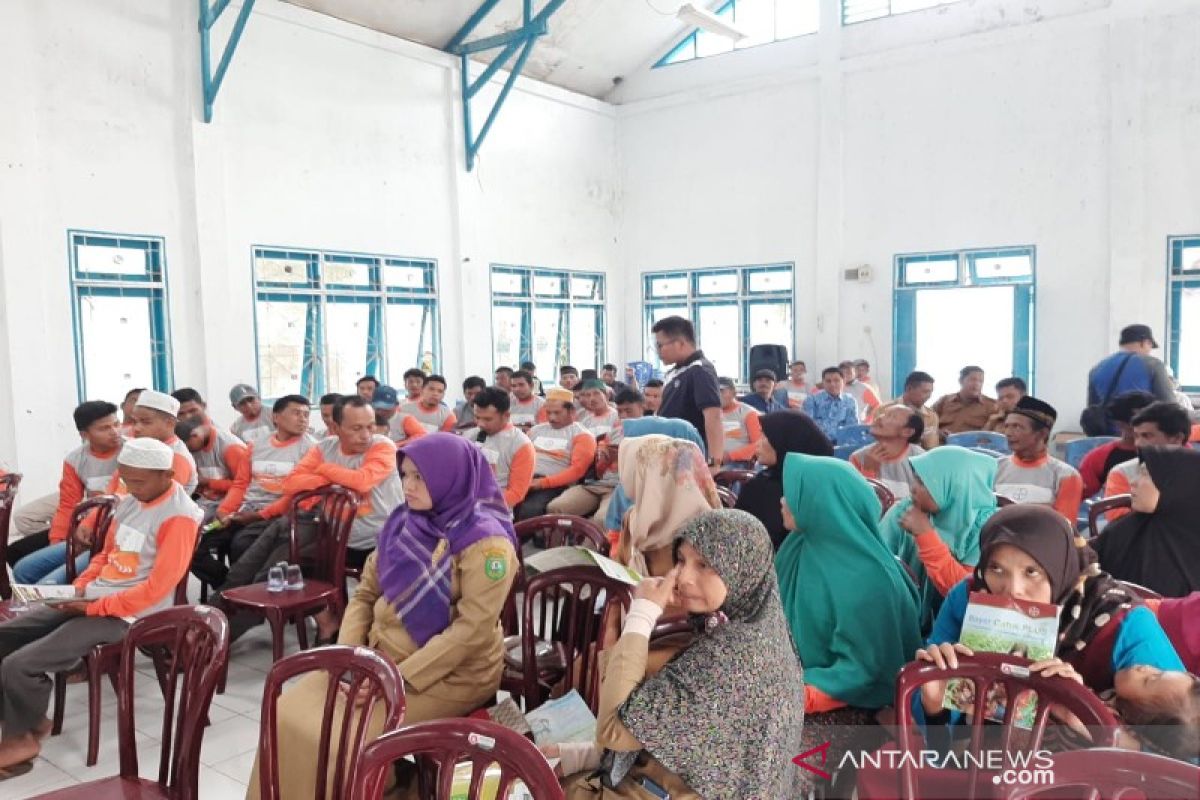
<point x="430" y="599"/>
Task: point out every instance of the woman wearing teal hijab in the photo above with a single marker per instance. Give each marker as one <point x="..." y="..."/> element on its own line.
<point x="936" y="531"/>
<point x="851" y="608"/>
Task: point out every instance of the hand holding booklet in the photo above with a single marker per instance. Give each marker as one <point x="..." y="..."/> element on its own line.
<point x="31" y="593"/>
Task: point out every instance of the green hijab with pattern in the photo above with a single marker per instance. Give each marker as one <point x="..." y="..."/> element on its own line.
<point x="851" y="607"/>
<point x="960" y="481"/>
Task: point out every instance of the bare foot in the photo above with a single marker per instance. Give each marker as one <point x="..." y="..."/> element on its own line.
<point x="18" y="750"/>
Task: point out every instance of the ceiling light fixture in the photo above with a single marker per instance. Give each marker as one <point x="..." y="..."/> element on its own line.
<point x="708" y="21"/>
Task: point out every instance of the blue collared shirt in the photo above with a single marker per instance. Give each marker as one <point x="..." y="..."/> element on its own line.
<point x="776" y="402"/>
<point x="831" y="413"/>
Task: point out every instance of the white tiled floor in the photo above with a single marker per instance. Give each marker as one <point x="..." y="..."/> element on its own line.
<point x="230" y="741"/>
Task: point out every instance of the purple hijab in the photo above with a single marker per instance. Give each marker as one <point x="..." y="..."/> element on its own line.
<point x="467" y="506"/>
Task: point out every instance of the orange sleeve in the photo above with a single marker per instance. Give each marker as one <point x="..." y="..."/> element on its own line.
<point x="241" y="482"/>
<point x="1153" y="605"/>
<point x="940" y="564"/>
<point x="448" y="425"/>
<point x="378" y="463"/>
<point x="1195" y="437"/>
<point x="182" y="466"/>
<point x="1116" y="484"/>
<point x="176" y="544"/>
<point x="542" y="416"/>
<point x="97" y="563"/>
<point x="747" y="451"/>
<point x="520" y="475"/>
<point x="70" y="492"/>
<point x="235" y="454"/>
<point x="816" y="701"/>
<point x="1070" y="495"/>
<point x="862" y="468"/>
<point x="305" y="475"/>
<point x="583" y="452"/>
<point x="412" y="428"/>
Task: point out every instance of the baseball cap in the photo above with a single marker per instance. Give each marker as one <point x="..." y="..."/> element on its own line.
<point x="384" y="397"/>
<point x="765" y="373"/>
<point x="241" y="392"/>
<point x="1137" y="333"/>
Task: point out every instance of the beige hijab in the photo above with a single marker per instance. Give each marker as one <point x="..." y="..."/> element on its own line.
<point x="669" y="484"/>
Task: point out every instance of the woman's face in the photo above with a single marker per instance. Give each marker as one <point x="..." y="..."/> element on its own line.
<point x="921" y="497"/>
<point x="1143" y="494"/>
<point x="1012" y="572"/>
<point x="416" y="493"/>
<point x="789" y="521"/>
<point x="1144" y="685"/>
<point x="766" y="454"/>
<point x="699" y="589"/>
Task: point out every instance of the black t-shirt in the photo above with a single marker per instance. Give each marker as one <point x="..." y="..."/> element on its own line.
<point x="689" y="389"/>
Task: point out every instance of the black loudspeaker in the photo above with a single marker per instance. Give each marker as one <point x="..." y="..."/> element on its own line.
<point x="769" y="356"/>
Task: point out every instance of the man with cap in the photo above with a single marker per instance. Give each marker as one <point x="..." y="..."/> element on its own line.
<point x="1130" y="369"/>
<point x="742" y="427"/>
<point x="252" y="422"/>
<point x="564" y="451"/>
<point x="1031" y="474"/>
<point x="766" y="398"/>
<point x="155" y="416"/>
<point x="401" y="425"/>
<point x="148" y="546"/>
<point x="597" y="416"/>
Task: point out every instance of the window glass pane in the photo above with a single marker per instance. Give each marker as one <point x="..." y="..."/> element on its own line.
<point x="902" y="6"/>
<point x="1020" y="266"/>
<point x="403" y="276"/>
<point x="347" y="333"/>
<point x="956" y="327"/>
<point x="549" y="340"/>
<point x="281" y="270"/>
<point x="755" y="18"/>
<point x="1189" y="337"/>
<point x="583" y="336"/>
<point x="675" y="286"/>
<point x="1189" y="259"/>
<point x="941" y="270"/>
<point x="508" y="283"/>
<point x="345" y="273"/>
<point x="549" y="286"/>
<point x="506" y="336"/>
<point x="717" y="283"/>
<point x="716" y="332"/>
<point x="684" y="51"/>
<point x="409" y="339"/>
<point x="771" y="323"/>
<point x="657" y="313"/>
<point x="710" y="44"/>
<point x="281" y="346"/>
<point x="117" y="346"/>
<point x="585" y="288"/>
<point x="776" y="280"/>
<point x="110" y="260"/>
<point x="796" y="18"/>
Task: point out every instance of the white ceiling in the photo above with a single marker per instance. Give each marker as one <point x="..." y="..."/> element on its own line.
<point x="589" y="43"/>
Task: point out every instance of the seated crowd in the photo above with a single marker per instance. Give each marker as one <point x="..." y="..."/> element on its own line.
<point x="802" y="601"/>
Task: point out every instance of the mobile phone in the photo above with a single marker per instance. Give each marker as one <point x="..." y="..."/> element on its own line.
<point x="653" y="788"/>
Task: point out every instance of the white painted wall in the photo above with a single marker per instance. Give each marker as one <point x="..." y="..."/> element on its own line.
<point x="326" y="135"/>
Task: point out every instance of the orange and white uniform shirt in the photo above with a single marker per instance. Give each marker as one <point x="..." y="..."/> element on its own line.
<point x="742" y="431"/>
<point x="564" y="455"/>
<point x="599" y="424"/>
<point x="894" y="473"/>
<point x="511" y="456"/>
<point x="183" y="465"/>
<point x="1044" y="481"/>
<point x="527" y="412"/>
<point x="431" y="420"/>
<point x="85" y="474"/>
<point x="797" y="393"/>
<point x="218" y="463"/>
<point x="271" y="461"/>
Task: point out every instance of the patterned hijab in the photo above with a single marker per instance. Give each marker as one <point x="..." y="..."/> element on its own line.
<point x="743" y="660"/>
<point x="415" y="546"/>
<point x="669" y="483"/>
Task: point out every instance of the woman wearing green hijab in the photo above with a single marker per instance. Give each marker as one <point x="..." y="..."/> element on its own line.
<point x="936" y="531"/>
<point x="851" y="608"/>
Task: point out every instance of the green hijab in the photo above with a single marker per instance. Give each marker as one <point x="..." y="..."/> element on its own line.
<point x="850" y="606"/>
<point x="960" y="482"/>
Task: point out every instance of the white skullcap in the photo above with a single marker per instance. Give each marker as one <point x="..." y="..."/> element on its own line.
<point x="147" y="454"/>
<point x="159" y="402"/>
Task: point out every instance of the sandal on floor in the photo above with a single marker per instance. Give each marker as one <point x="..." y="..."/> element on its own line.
<point x="16" y="770"/>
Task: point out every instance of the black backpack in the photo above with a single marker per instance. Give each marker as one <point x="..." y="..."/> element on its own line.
<point x="1094" y="419"/>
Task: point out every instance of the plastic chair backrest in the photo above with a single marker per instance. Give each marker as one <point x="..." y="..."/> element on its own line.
<point x="985" y="670"/>
<point x="844" y="451"/>
<point x="1137" y="590"/>
<point x="1099" y="508"/>
<point x="564" y="530"/>
<point x="195" y="642"/>
<point x="103" y="506"/>
<point x="562" y="607"/>
<point x="732" y="479"/>
<point x="728" y="498"/>
<point x="440" y="744"/>
<point x="8" y="497"/>
<point x="987" y="451"/>
<point x="354" y="672"/>
<point x="336" y="508"/>
<point x="989" y="440"/>
<point x="1111" y="773"/>
<point x="857" y="435"/>
<point x="1003" y="500"/>
<point x="887" y="498"/>
<point x="1076" y="449"/>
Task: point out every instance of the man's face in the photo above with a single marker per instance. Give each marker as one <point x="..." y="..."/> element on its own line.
<point x="670" y="349"/>
<point x="919" y="395"/>
<point x="631" y="410"/>
<point x="893" y="424"/>
<point x="432" y="393"/>
<point x="366" y="390"/>
<point x="327" y="417"/>
<point x="971" y="386"/>
<point x="199" y="438"/>
<point x="728" y="396"/>
<point x="470" y="394"/>
<point x="292" y="421"/>
<point x="145" y="484"/>
<point x="504" y="381"/>
<point x="384" y="414"/>
<point x="127" y="406"/>
<point x="763" y="387"/>
<point x="104" y="435"/>
<point x="594" y="401"/>
<point x="568" y="380"/>
<point x="609" y="376"/>
<point x="862" y="373"/>
<point x="191" y="410"/>
<point x="250" y="408"/>
<point x="1008" y="397"/>
<point x="1020" y="433"/>
<point x="797" y="372"/>
<point x="356" y="429"/>
<point x="653" y="395"/>
<point x="847" y="373"/>
<point x="833" y="383"/>
<point x="152" y="424"/>
<point x="521" y="389"/>
<point x="1148" y="434"/>
<point x="558" y="414"/>
<point x="489" y="420"/>
<point x="413" y="385"/>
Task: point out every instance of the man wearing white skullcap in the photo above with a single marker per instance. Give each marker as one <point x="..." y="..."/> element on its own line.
<point x="148" y="547"/>
<point x="154" y="416"/>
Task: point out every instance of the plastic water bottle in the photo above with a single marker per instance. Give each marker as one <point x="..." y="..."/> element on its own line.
<point x="295" y="578"/>
<point x="275" y="579"/>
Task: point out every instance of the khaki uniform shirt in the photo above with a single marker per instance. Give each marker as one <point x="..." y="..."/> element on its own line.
<point x="957" y="415"/>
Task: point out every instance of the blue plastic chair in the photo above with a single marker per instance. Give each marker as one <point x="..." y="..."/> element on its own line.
<point x="1077" y="449"/>
<point x="857" y="435"/>
<point x="973" y="439"/>
<point x="844" y="451"/>
<point x="987" y="451"/>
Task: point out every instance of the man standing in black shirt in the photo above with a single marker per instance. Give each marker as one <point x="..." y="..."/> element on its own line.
<point x="691" y="391"/>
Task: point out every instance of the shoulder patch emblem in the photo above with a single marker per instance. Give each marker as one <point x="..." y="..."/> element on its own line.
<point x="495" y="564"/>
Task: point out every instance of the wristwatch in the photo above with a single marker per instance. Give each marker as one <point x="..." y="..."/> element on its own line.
<point x="712" y="461"/>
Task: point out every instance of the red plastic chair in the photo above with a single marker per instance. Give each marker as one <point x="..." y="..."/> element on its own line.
<point x="1101" y="507"/>
<point x="1110" y="773"/>
<point x="441" y="744"/>
<point x="103" y="507"/>
<point x="887" y="497"/>
<point x="984" y="670"/>
<point x="357" y="672"/>
<point x="728" y="498"/>
<point x="326" y="588"/>
<point x="1004" y="500"/>
<point x="733" y="479"/>
<point x="197" y="641"/>
<point x="560" y="634"/>
<point x="1137" y="590"/>
<point x="8" y="496"/>
<point x="561" y="530"/>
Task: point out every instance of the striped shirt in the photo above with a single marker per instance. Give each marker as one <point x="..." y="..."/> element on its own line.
<point x="270" y="462"/>
<point x="895" y="473"/>
<point x="84" y="474"/>
<point x="1045" y="481"/>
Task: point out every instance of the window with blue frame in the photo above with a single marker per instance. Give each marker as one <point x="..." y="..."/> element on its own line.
<point x="119" y="310"/>
<point x="547" y="316"/>
<point x="762" y="21"/>
<point x="324" y="319"/>
<point x="1183" y="344"/>
<point x="963" y="307"/>
<point x="862" y="10"/>
<point x="732" y="308"/>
